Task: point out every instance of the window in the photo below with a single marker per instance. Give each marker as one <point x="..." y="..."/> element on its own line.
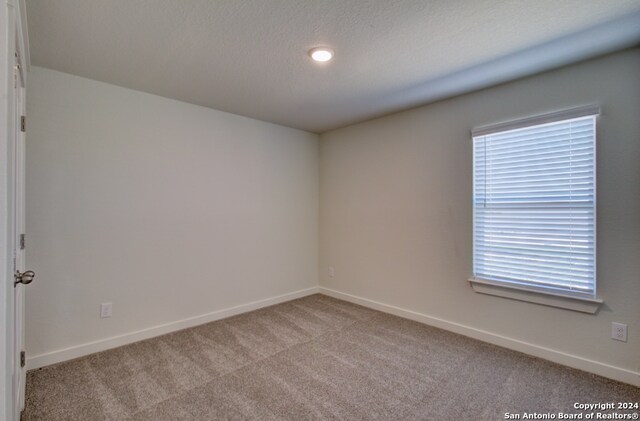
<point x="534" y="204"/>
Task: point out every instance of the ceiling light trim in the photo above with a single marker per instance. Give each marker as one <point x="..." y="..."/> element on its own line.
<point x="322" y="54"/>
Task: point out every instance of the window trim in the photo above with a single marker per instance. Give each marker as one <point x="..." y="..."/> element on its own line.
<point x="582" y="303"/>
<point x="567" y="114"/>
<point x="569" y="302"/>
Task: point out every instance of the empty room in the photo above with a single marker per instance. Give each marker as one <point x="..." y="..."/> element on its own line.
<point x="320" y="209"/>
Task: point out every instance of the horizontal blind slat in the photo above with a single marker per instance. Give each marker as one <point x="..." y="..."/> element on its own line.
<point x="540" y="251"/>
<point x="496" y="145"/>
<point x="540" y="260"/>
<point x="558" y="286"/>
<point x="557" y="147"/>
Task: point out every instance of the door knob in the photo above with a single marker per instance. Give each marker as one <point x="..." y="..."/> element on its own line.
<point x="24" y="277"/>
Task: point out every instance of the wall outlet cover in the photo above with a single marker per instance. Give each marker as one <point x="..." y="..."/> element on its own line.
<point x="619" y="332"/>
<point x="105" y="310"/>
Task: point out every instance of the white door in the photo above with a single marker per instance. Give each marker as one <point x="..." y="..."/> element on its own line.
<point x="22" y="277"/>
<point x="13" y="42"/>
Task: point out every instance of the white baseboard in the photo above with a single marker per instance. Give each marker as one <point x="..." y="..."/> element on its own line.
<point x="574" y="361"/>
<point x="76" y="351"/>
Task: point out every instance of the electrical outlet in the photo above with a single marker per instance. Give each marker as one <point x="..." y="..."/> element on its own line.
<point x="619" y="332"/>
<point x="331" y="271"/>
<point x="105" y="310"/>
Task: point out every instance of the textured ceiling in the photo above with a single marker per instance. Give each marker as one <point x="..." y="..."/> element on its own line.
<point x="249" y="57"/>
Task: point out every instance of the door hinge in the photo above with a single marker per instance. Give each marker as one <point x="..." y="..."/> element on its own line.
<point x="23" y="359"/>
<point x="23" y="123"/>
<point x="22" y="241"/>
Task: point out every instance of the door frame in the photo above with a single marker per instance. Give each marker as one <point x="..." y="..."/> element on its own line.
<point x="13" y="39"/>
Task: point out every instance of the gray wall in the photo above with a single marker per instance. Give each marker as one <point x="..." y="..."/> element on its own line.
<point x="396" y="212"/>
<point x="166" y="209"/>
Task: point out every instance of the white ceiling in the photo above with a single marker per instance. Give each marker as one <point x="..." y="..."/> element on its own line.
<point x="249" y="57"/>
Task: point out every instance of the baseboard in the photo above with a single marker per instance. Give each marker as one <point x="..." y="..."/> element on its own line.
<point x="76" y="351"/>
<point x="574" y="361"/>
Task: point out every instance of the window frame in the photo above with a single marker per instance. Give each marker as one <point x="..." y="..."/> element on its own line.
<point x="579" y="302"/>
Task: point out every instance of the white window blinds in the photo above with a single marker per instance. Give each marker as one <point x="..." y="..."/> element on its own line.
<point x="534" y="206"/>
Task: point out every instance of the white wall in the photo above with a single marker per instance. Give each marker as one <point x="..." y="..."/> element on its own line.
<point x="166" y="209"/>
<point x="396" y="214"/>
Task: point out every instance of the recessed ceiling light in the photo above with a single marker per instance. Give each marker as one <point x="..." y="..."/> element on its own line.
<point x="321" y="54"/>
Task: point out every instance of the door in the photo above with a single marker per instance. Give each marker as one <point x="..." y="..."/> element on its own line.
<point x="22" y="278"/>
<point x="13" y="43"/>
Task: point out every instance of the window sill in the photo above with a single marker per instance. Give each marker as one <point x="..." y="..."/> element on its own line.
<point x="584" y="305"/>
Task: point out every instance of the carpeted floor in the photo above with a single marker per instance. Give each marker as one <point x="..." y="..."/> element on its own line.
<point x="312" y="358"/>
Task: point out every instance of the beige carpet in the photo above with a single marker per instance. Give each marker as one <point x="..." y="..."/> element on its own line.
<point x="312" y="358"/>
